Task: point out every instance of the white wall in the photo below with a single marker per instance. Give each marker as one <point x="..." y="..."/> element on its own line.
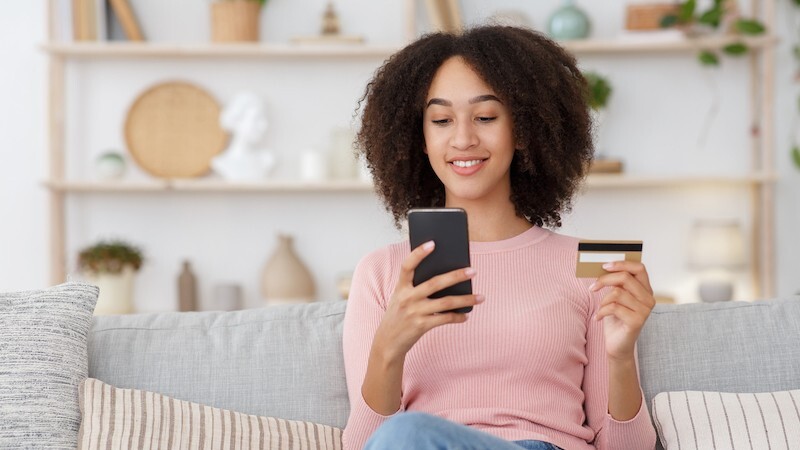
<point x="23" y="203"/>
<point x="654" y="123"/>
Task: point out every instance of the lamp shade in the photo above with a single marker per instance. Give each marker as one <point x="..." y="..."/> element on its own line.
<point x="716" y="244"/>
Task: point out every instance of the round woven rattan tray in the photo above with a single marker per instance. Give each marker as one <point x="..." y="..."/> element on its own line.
<point x="172" y="130"/>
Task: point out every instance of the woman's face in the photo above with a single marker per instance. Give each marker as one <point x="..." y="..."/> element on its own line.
<point x="468" y="135"/>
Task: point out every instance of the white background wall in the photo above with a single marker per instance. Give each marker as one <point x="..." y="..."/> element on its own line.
<point x="654" y="123"/>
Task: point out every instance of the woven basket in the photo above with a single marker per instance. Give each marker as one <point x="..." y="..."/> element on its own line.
<point x="235" y="21"/>
<point x="172" y="130"/>
<point x="648" y="16"/>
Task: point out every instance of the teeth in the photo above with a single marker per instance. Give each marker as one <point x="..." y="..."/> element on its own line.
<point x="467" y="163"/>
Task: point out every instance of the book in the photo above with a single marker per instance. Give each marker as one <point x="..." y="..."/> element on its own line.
<point x="83" y="23"/>
<point x="62" y="23"/>
<point x="444" y="15"/>
<point x="124" y="12"/>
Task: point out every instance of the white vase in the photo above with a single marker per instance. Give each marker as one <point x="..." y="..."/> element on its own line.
<point x="116" y="291"/>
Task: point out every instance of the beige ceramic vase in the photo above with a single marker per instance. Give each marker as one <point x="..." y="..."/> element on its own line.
<point x="286" y="279"/>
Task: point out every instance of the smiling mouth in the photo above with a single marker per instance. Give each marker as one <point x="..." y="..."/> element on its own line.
<point x="465" y="164"/>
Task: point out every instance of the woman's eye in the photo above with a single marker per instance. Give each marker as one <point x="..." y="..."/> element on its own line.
<point x="440" y="121"/>
<point x="485" y="119"/>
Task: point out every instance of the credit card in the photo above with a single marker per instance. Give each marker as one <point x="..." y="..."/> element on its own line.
<point x="593" y="254"/>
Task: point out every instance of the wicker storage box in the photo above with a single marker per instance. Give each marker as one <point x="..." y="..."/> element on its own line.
<point x="647" y="16"/>
<point x="235" y="21"/>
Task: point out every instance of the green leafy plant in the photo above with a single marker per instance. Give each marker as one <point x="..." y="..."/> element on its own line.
<point x="796" y="156"/>
<point x="688" y="17"/>
<point x="599" y="90"/>
<point x="109" y="257"/>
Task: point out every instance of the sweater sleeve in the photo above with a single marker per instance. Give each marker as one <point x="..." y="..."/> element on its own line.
<point x="634" y="434"/>
<point x="365" y="308"/>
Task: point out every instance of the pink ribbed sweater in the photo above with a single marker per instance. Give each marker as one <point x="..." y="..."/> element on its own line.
<point x="528" y="364"/>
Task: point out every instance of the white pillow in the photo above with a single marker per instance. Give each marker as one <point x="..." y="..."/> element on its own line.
<point x="42" y="360"/>
<point x="716" y="420"/>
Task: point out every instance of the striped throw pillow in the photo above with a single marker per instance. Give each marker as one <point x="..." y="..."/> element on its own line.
<point x="713" y="420"/>
<point x="114" y="418"/>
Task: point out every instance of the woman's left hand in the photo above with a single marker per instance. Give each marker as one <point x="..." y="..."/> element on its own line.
<point x="625" y="308"/>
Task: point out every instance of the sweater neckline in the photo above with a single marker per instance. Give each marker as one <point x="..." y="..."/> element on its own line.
<point x="527" y="237"/>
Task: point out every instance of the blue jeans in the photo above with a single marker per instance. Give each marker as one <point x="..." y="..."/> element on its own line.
<point x="413" y="430"/>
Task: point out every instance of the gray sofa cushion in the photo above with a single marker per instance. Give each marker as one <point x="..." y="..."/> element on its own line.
<point x="283" y="361"/>
<point x="724" y="347"/>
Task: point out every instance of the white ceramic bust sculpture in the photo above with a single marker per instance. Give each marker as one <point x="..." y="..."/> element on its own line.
<point x="244" y="159"/>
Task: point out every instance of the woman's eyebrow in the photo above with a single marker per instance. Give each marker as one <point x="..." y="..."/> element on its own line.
<point x="478" y="99"/>
<point x="484" y="98"/>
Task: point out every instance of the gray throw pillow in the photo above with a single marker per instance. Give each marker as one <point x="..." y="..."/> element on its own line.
<point x="43" y="360"/>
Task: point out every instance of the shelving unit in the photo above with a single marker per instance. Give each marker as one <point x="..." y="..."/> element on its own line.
<point x="759" y="181"/>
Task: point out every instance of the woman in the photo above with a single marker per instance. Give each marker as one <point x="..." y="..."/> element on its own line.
<point x="493" y="121"/>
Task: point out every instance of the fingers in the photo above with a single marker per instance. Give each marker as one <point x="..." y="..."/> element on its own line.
<point x="629" y="283"/>
<point x="412" y="261"/>
<point x="451" y="302"/>
<point x="637" y="269"/>
<point x="619" y="300"/>
<point x="444" y="280"/>
<point x="621" y="312"/>
<point x="632" y="299"/>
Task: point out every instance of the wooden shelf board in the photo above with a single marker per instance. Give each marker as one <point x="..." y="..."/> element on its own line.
<point x="256" y="50"/>
<point x="206" y="186"/>
<point x="634" y="45"/>
<point x="594" y="181"/>
<point x="635" y="181"/>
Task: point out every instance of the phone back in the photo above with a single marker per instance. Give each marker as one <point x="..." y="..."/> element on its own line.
<point x="447" y="227"/>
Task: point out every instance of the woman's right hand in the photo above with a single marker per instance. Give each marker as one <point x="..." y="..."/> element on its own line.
<point x="410" y="313"/>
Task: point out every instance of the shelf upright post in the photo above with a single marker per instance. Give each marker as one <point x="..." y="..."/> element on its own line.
<point x="55" y="127"/>
<point x="411" y="19"/>
<point x="762" y="76"/>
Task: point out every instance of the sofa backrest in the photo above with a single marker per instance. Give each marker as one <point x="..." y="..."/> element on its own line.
<point x="282" y="361"/>
<point x="723" y="347"/>
<point x="286" y="361"/>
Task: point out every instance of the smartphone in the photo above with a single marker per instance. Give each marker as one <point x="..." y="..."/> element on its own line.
<point x="447" y="228"/>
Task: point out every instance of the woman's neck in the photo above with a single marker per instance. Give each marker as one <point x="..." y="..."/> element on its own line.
<point x="491" y="221"/>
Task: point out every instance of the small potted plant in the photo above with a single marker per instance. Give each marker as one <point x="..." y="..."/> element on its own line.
<point x="235" y="20"/>
<point x="111" y="266"/>
<point x="598" y="93"/>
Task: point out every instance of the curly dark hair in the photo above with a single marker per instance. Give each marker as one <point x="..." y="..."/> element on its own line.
<point x="538" y="81"/>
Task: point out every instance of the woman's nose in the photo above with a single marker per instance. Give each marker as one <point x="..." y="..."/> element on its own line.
<point x="464" y="136"/>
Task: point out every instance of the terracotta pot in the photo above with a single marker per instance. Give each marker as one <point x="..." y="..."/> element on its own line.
<point x="116" y="291"/>
<point x="286" y="279"/>
<point x="235" y="21"/>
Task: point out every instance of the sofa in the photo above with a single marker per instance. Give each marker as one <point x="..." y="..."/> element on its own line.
<point x="286" y="361"/>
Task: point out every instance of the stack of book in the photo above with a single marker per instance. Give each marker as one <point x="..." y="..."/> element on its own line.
<point x="94" y="20"/>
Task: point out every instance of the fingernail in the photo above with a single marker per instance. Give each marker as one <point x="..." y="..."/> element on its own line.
<point x="428" y="245"/>
<point x="469" y="271"/>
<point x="593" y="286"/>
<point x="479" y="298"/>
<point x="608" y="265"/>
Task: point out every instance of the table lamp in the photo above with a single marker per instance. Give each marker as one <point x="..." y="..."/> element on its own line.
<point x="716" y="250"/>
